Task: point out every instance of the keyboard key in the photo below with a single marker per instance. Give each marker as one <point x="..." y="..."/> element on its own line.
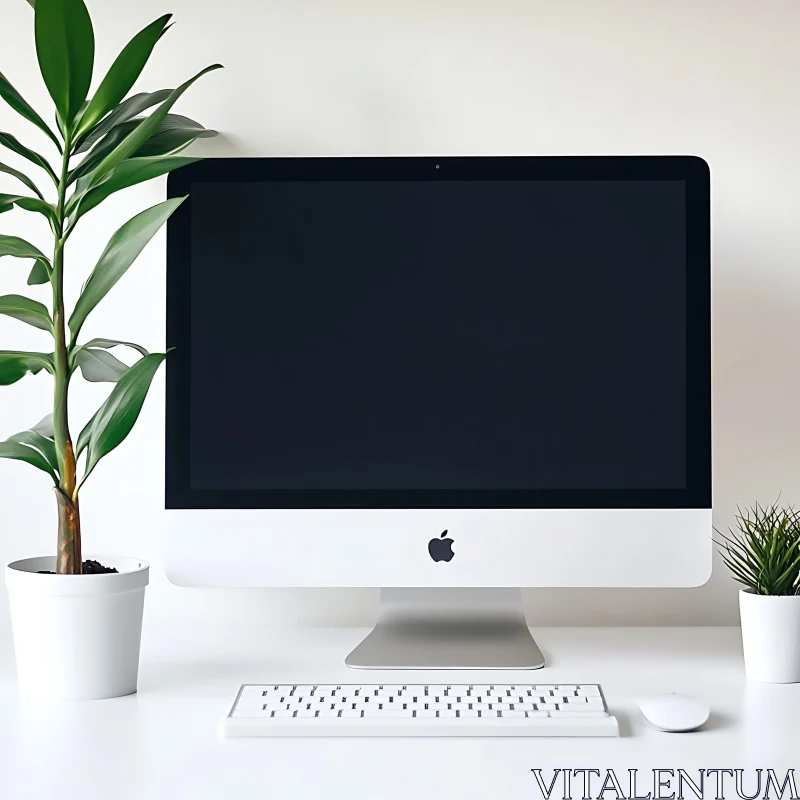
<point x="253" y="691"/>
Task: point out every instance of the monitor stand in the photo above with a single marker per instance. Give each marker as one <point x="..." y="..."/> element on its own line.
<point x="449" y="629"/>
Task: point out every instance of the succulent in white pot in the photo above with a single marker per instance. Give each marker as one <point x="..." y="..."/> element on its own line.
<point x="77" y="623"/>
<point x="762" y="552"/>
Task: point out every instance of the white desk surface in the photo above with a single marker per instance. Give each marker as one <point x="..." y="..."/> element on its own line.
<point x="162" y="742"/>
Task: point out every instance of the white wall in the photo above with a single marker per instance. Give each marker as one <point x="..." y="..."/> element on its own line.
<point x="712" y="77"/>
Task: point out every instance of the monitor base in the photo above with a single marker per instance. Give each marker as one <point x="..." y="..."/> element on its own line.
<point x="448" y="629"/>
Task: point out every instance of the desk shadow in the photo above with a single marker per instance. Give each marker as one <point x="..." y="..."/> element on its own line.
<point x="625" y="729"/>
<point x="719" y="721"/>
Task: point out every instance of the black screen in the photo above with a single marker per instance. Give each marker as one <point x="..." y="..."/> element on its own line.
<point x="358" y="336"/>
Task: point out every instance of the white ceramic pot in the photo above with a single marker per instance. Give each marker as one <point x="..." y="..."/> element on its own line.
<point x="771" y="637"/>
<point x="77" y="637"/>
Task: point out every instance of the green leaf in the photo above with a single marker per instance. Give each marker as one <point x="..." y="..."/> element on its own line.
<point x="115" y="419"/>
<point x="20" y="176"/>
<point x="121" y="251"/>
<point x="45" y="445"/>
<point x="39" y="274"/>
<point x="65" y="49"/>
<point x="99" y="366"/>
<point x="60" y="124"/>
<point x="122" y="75"/>
<point x="130" y="144"/>
<point x="97" y="348"/>
<point x="83" y="439"/>
<point x="19" y="248"/>
<point x="14" y="246"/>
<point x="99" y="152"/>
<point x="107" y="344"/>
<point x="26" y="310"/>
<point x="8" y="201"/>
<point x="15" y="365"/>
<point x="19" y="104"/>
<point x="124" y="112"/>
<point x="12" y="143"/>
<point x="45" y="427"/>
<point x="128" y="173"/>
<point x="21" y="452"/>
<point x="174" y="133"/>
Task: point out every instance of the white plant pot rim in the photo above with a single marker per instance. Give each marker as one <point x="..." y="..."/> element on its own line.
<point x="774" y="598"/>
<point x="23" y="574"/>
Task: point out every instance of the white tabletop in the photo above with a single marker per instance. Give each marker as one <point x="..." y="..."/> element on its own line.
<point x="162" y="742"/>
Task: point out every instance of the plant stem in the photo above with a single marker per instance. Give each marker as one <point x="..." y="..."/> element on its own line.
<point x="68" y="554"/>
<point x="68" y="558"/>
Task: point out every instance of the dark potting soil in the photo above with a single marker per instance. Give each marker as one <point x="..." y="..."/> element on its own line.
<point x="90" y="567"/>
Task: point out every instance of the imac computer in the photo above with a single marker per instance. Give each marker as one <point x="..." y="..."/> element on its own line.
<point x="446" y="377"/>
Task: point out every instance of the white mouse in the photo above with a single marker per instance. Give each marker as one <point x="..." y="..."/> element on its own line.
<point x="675" y="713"/>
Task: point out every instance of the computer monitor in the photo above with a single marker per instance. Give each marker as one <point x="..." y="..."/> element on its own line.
<point x="438" y="373"/>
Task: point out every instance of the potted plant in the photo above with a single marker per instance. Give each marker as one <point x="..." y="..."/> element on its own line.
<point x="763" y="554"/>
<point x="77" y="624"/>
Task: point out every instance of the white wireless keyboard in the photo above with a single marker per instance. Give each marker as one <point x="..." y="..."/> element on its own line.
<point x="419" y="710"/>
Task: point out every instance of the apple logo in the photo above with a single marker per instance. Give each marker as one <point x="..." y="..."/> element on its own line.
<point x="441" y="549"/>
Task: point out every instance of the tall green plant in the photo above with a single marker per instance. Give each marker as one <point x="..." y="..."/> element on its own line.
<point x="105" y="143"/>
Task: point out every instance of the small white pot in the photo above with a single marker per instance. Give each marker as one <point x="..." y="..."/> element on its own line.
<point x="77" y="637"/>
<point x="771" y="637"/>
